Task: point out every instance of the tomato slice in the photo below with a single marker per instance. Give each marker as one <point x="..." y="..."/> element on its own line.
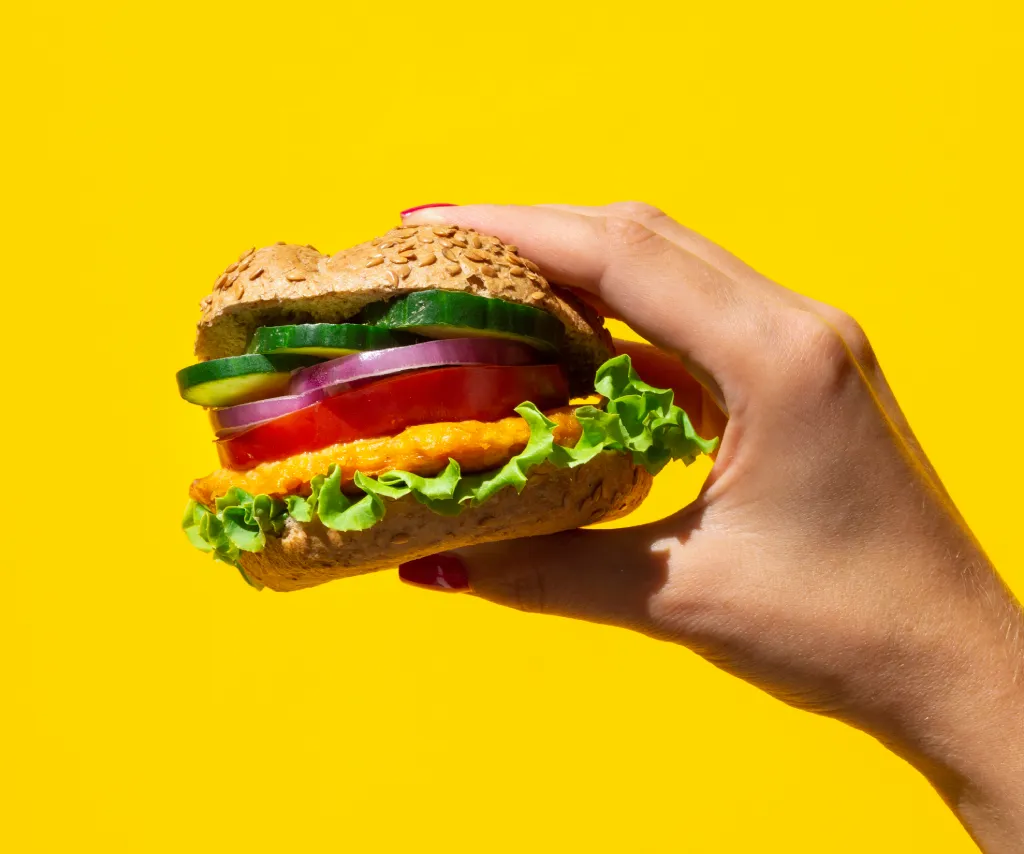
<point x="388" y="406"/>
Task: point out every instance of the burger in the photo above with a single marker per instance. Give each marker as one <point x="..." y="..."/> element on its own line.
<point x="424" y="391"/>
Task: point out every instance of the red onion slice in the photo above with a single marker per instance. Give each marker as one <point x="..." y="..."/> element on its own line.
<point x="235" y="419"/>
<point x="337" y="374"/>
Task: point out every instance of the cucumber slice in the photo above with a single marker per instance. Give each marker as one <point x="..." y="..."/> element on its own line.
<point x="453" y="314"/>
<point x="327" y="340"/>
<point x="239" y="379"/>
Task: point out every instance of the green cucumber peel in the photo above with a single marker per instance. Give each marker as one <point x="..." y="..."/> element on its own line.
<point x="637" y="419"/>
<point x="239" y="379"/>
<point x="454" y="314"/>
<point x="328" y="339"/>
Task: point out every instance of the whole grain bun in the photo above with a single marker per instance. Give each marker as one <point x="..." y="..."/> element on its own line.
<point x="286" y="283"/>
<point x="308" y="553"/>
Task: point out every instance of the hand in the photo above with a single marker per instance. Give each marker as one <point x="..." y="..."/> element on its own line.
<point x="823" y="562"/>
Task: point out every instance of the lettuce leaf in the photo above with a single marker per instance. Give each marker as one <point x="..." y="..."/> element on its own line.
<point x="636" y="419"/>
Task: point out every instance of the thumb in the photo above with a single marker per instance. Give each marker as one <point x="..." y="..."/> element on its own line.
<point x="611" y="576"/>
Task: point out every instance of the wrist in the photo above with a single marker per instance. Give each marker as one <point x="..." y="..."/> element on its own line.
<point x="975" y="761"/>
<point x="962" y="722"/>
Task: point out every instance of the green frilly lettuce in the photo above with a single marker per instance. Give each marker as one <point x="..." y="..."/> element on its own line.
<point x="636" y="419"/>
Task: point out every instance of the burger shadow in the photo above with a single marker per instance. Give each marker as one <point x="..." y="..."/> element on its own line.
<point x="609" y="576"/>
<point x="644" y="566"/>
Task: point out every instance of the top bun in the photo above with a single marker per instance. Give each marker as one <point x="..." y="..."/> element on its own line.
<point x="286" y="283"/>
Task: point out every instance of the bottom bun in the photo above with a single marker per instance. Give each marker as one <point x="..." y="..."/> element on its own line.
<point x="308" y="553"/>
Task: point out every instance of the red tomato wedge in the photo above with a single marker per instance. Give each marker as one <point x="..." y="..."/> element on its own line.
<point x="388" y="406"/>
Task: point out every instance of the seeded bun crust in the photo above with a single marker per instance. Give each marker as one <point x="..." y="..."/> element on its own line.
<point x="308" y="553"/>
<point x="286" y="283"/>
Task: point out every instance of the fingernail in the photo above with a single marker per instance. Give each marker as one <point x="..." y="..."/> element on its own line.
<point x="438" y="572"/>
<point x="406" y="213"/>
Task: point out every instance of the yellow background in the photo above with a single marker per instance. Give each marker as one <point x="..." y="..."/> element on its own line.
<point x="867" y="153"/>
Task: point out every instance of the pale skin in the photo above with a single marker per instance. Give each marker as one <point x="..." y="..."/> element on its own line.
<point x="823" y="562"/>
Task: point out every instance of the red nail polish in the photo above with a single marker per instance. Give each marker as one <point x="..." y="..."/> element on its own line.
<point x="406" y="213"/>
<point x="438" y="572"/>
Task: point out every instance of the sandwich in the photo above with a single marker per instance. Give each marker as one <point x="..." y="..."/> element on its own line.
<point x="424" y="391"/>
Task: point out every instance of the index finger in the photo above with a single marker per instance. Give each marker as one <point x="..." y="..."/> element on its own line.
<point x="671" y="297"/>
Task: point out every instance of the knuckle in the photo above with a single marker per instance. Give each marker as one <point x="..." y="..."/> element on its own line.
<point x="817" y="353"/>
<point x="527" y="591"/>
<point x="625" y="233"/>
<point x="812" y="334"/>
<point x="853" y="335"/>
<point x="640" y="211"/>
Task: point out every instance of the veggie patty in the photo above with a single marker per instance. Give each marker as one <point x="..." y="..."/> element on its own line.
<point x="424" y="450"/>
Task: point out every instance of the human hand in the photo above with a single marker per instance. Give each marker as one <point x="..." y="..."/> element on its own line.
<point x="823" y="562"/>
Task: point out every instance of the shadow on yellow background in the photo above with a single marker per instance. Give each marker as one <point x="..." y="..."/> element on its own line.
<point x="865" y="154"/>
